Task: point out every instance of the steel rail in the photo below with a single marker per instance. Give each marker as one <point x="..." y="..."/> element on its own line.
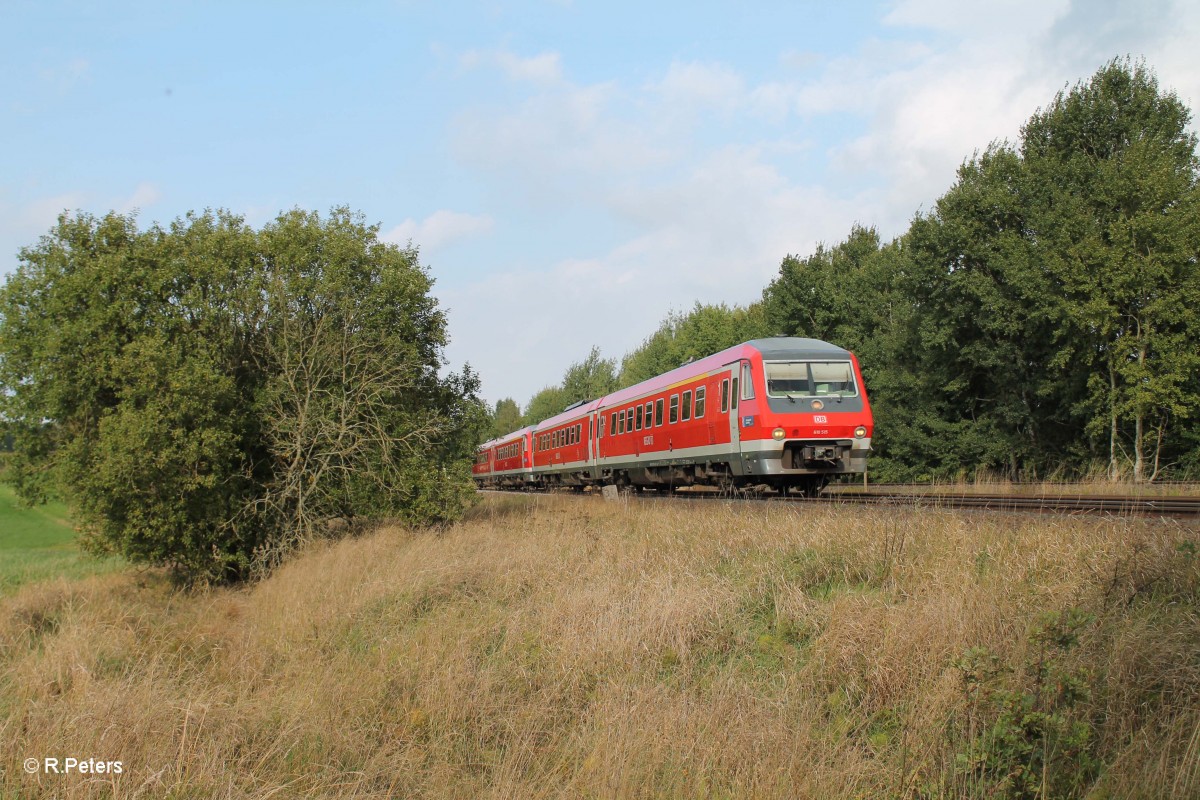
<point x="1120" y="505"/>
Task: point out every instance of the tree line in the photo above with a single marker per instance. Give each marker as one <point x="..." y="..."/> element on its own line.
<point x="1042" y="319"/>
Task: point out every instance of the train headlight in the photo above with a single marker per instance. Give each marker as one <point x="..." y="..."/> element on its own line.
<point x="778" y="434"/>
<point x="860" y="432"/>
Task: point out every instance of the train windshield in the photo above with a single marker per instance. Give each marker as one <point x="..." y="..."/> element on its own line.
<point x="810" y="379"/>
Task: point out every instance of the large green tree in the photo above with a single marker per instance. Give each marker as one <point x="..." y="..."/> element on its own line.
<point x="683" y="337"/>
<point x="1112" y="173"/>
<point x="988" y="322"/>
<point x="206" y="395"/>
<point x="589" y="379"/>
<point x="506" y="417"/>
<point x="545" y="404"/>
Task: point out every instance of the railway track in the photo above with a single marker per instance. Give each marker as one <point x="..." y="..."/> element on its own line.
<point x="1110" y="505"/>
<point x="1114" y="505"/>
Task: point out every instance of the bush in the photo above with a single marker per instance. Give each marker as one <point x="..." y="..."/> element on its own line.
<point x="206" y="396"/>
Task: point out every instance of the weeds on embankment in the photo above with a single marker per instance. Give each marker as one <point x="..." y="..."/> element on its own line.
<point x="564" y="647"/>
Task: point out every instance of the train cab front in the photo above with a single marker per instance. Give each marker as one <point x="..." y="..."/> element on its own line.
<point x="812" y="420"/>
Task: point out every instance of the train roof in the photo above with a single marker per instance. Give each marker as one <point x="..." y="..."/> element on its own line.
<point x="784" y="347"/>
<point x="506" y="437"/>
<point x="574" y="411"/>
<point x="773" y="349"/>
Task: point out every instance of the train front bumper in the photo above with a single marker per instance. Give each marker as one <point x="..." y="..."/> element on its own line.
<point x="805" y="456"/>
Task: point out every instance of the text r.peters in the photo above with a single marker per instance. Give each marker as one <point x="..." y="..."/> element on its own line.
<point x="88" y="766"/>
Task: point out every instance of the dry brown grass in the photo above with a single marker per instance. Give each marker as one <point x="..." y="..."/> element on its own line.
<point x="564" y="647"/>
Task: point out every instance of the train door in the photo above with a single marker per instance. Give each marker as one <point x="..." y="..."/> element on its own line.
<point x="735" y="420"/>
<point x="594" y="435"/>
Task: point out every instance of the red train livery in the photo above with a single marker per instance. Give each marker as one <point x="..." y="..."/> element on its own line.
<point x="788" y="413"/>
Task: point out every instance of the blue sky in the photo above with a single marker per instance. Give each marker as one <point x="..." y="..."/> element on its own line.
<point x="570" y="171"/>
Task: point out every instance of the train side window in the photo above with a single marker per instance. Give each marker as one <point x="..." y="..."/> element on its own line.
<point x="725" y="396"/>
<point x="658" y="412"/>
<point x="650" y="415"/>
<point x="747" y="382"/>
<point x="733" y="395"/>
<point x="621" y="421"/>
<point x="612" y="424"/>
<point x="687" y="405"/>
<point x="674" y="409"/>
<point x="700" y="392"/>
<point x="600" y="428"/>
<point x="629" y="420"/>
<point x="638" y="419"/>
<point x="578" y="432"/>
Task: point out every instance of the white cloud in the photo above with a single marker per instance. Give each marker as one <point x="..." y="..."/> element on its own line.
<point x="439" y="229"/>
<point x="700" y="86"/>
<point x="144" y="195"/>
<point x="1006" y="19"/>
<point x="66" y="76"/>
<point x="544" y="68"/>
<point x="560" y="146"/>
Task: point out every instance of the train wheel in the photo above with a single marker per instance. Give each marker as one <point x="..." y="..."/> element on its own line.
<point x="811" y="486"/>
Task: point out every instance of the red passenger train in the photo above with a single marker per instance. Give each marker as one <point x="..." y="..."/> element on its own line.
<point x="785" y="412"/>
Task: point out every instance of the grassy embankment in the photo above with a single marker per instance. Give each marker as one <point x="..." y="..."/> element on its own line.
<point x="565" y="647"/>
<point x="39" y="543"/>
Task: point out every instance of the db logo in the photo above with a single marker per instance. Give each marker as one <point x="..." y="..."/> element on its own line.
<point x="819" y="418"/>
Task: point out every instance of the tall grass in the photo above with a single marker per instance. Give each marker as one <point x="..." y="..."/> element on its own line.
<point x="564" y="647"/>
